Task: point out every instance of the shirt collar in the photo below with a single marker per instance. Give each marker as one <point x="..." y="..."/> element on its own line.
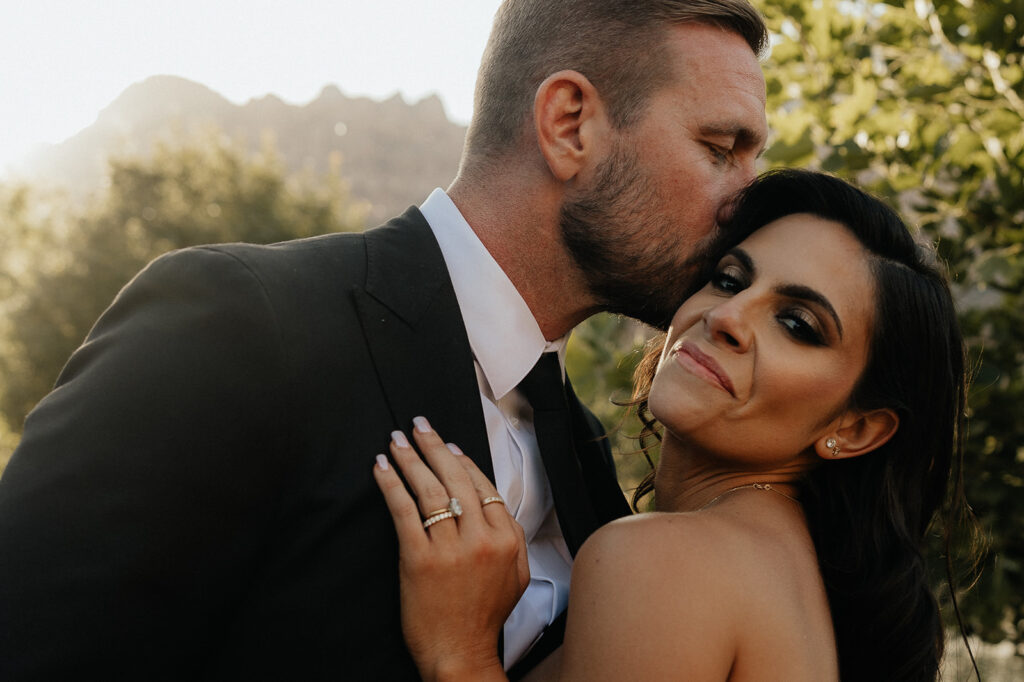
<point x="505" y="338"/>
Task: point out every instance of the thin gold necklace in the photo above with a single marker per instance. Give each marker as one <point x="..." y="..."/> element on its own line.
<point x="757" y="486"/>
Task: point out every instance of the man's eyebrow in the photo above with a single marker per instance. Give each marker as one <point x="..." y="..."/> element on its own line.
<point x="742" y="134"/>
<point x="803" y="293"/>
<point x="797" y="291"/>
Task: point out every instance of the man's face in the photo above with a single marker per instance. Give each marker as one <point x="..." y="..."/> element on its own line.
<point x="644" y="223"/>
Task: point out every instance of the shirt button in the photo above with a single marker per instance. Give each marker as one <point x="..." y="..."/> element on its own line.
<point x="514" y="422"/>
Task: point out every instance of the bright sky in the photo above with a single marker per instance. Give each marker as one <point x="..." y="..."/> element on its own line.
<point x="62" y="61"/>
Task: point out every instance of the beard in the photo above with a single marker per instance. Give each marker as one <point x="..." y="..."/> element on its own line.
<point x="634" y="261"/>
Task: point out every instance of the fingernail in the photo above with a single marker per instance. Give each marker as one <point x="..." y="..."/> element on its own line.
<point x="399" y="439"/>
<point x="456" y="450"/>
<point x="422" y="425"/>
<point x="382" y="462"/>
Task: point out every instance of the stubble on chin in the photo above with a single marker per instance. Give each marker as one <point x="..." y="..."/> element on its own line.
<point x="634" y="261"/>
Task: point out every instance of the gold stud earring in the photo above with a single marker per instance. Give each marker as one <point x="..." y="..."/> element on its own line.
<point x="834" y="445"/>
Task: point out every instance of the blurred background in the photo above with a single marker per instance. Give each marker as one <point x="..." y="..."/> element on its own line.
<point x="133" y="128"/>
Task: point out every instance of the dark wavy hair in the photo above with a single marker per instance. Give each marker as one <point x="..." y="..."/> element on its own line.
<point x="870" y="516"/>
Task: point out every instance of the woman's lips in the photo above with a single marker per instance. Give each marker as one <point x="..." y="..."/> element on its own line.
<point x="703" y="365"/>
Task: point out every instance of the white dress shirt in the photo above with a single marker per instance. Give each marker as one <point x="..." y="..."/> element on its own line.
<point x="506" y="343"/>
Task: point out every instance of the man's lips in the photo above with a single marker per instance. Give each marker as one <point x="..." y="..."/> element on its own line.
<point x="703" y="365"/>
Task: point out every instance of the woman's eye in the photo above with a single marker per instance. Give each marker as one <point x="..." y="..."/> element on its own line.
<point x="801" y="326"/>
<point x="729" y="279"/>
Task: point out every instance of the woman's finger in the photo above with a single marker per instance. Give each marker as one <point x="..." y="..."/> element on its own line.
<point x="447" y="470"/>
<point x="432" y="497"/>
<point x="495" y="512"/>
<point x="429" y="492"/>
<point x="498" y="516"/>
<point x="404" y="512"/>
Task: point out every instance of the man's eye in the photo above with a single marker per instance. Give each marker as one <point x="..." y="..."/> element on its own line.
<point x="719" y="154"/>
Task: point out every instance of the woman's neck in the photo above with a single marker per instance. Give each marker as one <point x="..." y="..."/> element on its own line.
<point x="688" y="481"/>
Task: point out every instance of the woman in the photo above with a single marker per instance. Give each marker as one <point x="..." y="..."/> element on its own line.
<point x="810" y="398"/>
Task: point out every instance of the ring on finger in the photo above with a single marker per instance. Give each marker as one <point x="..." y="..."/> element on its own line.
<point x="439" y="516"/>
<point x="491" y="500"/>
<point x="454" y="508"/>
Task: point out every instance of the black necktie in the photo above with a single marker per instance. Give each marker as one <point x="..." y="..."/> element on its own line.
<point x="544" y="390"/>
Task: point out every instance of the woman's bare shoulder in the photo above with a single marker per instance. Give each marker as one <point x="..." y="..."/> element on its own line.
<point x="735" y="591"/>
<point x="641" y="586"/>
<point x="694" y="539"/>
<point x="661" y="552"/>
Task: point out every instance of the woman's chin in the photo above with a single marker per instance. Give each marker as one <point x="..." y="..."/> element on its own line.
<point x="681" y="411"/>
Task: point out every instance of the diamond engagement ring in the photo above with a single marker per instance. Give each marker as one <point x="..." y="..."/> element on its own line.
<point x="455" y="507"/>
<point x="452" y="511"/>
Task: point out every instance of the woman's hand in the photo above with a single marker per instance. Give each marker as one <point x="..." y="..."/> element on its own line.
<point x="461" y="577"/>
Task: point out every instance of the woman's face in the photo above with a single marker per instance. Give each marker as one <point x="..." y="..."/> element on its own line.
<point x="761" y="362"/>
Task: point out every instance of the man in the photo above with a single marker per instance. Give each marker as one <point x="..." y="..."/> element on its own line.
<point x="194" y="500"/>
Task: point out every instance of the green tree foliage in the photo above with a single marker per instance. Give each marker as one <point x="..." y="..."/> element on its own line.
<point x="60" y="266"/>
<point x="920" y="102"/>
<point x="602" y="355"/>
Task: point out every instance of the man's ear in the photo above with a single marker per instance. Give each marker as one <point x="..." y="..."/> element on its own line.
<point x="858" y="433"/>
<point x="570" y="122"/>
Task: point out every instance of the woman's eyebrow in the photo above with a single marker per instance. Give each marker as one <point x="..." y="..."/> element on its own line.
<point x="797" y="291"/>
<point x="745" y="260"/>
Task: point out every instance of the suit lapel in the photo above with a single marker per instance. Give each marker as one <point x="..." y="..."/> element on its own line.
<point x="421" y="353"/>
<point x="416" y="336"/>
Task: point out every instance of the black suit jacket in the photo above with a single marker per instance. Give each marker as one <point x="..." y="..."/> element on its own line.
<point x="194" y="500"/>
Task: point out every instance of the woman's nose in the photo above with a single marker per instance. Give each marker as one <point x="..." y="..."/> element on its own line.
<point x="727" y="325"/>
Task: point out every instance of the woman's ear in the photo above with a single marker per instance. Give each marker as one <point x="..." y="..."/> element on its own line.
<point x="858" y="433"/>
<point x="569" y="118"/>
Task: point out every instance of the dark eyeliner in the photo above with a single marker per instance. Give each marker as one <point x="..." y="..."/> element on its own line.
<point x="729" y="278"/>
<point x="802" y="331"/>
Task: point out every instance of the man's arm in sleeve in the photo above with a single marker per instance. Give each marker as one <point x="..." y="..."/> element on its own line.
<point x="143" y="483"/>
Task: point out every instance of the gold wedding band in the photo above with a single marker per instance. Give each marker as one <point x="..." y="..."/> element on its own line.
<point x="439" y="516"/>
<point x="453" y="510"/>
<point x="489" y="500"/>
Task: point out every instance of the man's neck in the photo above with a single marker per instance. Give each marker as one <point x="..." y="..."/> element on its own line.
<point x="518" y="225"/>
